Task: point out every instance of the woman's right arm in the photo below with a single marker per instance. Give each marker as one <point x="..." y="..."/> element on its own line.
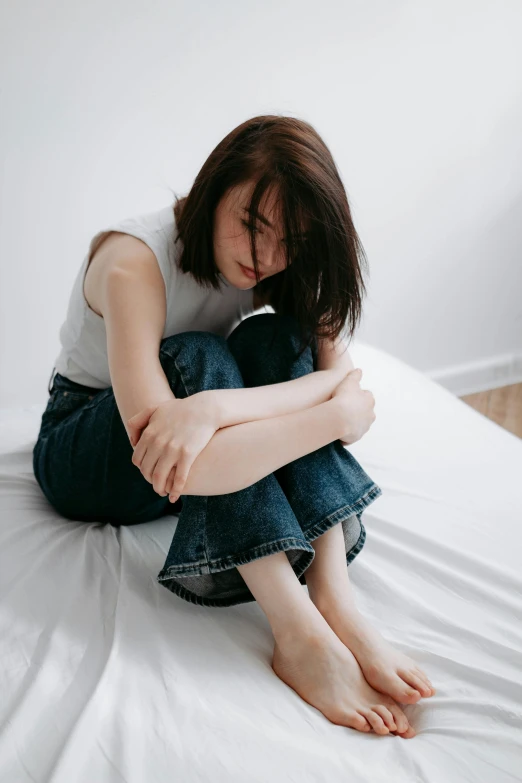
<point x="131" y="296"/>
<point x="130" y="292"/>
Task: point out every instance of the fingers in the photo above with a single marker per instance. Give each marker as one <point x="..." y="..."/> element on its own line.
<point x="141" y="419"/>
<point x="170" y="479"/>
<point x="182" y="470"/>
<point x="167" y="478"/>
<point x="164" y="466"/>
<point x="149" y="464"/>
<point x="134" y="435"/>
<point x="137" y="424"/>
<point x="169" y="484"/>
<point x="156" y="469"/>
<point x="167" y="462"/>
<point x="140" y="449"/>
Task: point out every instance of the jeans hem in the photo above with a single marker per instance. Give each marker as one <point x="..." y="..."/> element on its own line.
<point x="188" y="595"/>
<point x="343" y="513"/>
<point x="232" y="561"/>
<point x="354" y="551"/>
<point x="166" y="575"/>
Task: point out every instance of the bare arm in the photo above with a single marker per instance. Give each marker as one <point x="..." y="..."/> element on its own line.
<point x="132" y="301"/>
<point x="334" y="355"/>
<point x="133" y="304"/>
<point x="236" y="406"/>
<point x="238" y="456"/>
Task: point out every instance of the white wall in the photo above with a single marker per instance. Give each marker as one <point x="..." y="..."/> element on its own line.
<point x="105" y="105"/>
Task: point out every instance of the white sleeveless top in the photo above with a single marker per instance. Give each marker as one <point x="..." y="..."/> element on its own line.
<point x="190" y="306"/>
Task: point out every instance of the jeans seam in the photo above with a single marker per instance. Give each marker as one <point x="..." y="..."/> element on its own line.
<point x="168" y="355"/>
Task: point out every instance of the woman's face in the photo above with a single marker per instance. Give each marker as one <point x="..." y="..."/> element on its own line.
<point x="232" y="239"/>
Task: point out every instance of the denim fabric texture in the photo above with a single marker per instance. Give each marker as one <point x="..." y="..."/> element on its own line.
<point x="82" y="462"/>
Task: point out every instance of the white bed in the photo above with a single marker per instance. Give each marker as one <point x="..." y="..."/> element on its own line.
<point x="106" y="676"/>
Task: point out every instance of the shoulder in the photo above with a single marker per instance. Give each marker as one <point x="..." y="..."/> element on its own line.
<point x="119" y="252"/>
<point x="110" y="251"/>
<point x="116" y="248"/>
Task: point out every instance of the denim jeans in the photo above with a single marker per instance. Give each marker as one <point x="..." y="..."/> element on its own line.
<point x="82" y="462"/>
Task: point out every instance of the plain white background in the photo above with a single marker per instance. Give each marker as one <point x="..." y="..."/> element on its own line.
<point x="109" y="106"/>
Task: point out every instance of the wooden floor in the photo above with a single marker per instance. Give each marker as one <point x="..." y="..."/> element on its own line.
<point x="503" y="406"/>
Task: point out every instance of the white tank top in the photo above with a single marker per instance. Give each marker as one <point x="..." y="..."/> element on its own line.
<point x="190" y="306"/>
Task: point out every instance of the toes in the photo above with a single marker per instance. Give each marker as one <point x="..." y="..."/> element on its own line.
<point x="401" y="721"/>
<point x="403" y="692"/>
<point x="416" y="682"/>
<point x="408" y="734"/>
<point x="356" y="721"/>
<point x="386" y="715"/>
<point x="424" y="678"/>
<point x="375" y="721"/>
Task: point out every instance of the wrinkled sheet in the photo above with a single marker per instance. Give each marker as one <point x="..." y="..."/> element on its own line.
<point x="106" y="676"/>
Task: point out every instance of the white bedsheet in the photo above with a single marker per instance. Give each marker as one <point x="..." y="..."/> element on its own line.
<point x="106" y="676"/>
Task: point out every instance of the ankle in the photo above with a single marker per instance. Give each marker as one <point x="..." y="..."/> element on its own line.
<point x="308" y="625"/>
<point x="331" y="605"/>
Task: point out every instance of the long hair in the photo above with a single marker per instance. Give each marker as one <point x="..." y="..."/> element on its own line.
<point x="321" y="285"/>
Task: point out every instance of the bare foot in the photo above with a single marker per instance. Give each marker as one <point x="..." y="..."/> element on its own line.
<point x="324" y="672"/>
<point x="386" y="669"/>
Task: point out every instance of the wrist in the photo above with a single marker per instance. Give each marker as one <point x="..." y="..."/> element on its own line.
<point x="335" y="375"/>
<point x="213" y="404"/>
<point x="342" y="417"/>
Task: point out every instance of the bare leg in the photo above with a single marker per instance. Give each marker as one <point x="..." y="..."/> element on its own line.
<point x="386" y="669"/>
<point x="311" y="659"/>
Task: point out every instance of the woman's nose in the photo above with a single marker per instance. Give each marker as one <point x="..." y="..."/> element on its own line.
<point x="270" y="258"/>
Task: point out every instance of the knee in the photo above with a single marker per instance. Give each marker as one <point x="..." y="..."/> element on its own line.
<point x="197" y="338"/>
<point x="198" y="360"/>
<point x="267" y="349"/>
<point x="268" y="332"/>
<point x="259" y="330"/>
<point x="266" y="322"/>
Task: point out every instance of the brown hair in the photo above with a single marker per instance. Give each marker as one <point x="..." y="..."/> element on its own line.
<point x="322" y="284"/>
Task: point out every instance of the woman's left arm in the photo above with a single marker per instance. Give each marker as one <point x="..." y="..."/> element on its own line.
<point x="236" y="406"/>
<point x="334" y="356"/>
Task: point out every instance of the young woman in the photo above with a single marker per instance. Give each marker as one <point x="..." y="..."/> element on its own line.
<point x="165" y="392"/>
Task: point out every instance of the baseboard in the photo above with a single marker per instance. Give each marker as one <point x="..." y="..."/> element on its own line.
<point x="481" y="375"/>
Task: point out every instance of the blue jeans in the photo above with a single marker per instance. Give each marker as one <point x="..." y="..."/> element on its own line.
<point x="82" y="462"/>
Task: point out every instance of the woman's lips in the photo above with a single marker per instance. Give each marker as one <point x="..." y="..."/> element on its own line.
<point x="250" y="273"/>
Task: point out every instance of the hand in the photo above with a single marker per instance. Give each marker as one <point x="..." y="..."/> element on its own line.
<point x="168" y="438"/>
<point x="358" y="404"/>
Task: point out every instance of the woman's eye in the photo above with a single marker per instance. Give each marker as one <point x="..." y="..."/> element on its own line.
<point x="249" y="225"/>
